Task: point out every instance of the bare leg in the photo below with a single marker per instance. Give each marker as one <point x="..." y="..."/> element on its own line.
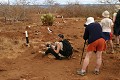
<point x="111" y="44"/>
<point x="86" y="60"/>
<point x="117" y="39"/>
<point x="99" y="60"/>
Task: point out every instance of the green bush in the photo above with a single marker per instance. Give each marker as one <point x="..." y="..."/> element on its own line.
<point x="47" y="19"/>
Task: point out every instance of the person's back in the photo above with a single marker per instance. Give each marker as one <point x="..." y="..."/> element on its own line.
<point x="67" y="48"/>
<point x="93" y="32"/>
<point x="106" y="24"/>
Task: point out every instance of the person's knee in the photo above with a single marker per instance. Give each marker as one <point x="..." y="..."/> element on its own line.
<point x="88" y="54"/>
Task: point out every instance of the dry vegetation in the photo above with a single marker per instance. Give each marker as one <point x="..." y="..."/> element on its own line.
<point x="19" y="62"/>
<point x="15" y="13"/>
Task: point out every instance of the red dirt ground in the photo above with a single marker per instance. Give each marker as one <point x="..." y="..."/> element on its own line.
<point x="18" y="62"/>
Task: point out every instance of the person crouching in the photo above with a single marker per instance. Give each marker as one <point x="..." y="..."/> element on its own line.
<point x="96" y="42"/>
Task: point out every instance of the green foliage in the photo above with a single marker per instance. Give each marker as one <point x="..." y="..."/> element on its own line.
<point x="47" y="19"/>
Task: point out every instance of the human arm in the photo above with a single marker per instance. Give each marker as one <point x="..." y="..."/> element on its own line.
<point x="114" y="17"/>
<point x="86" y="34"/>
<point x="58" y="48"/>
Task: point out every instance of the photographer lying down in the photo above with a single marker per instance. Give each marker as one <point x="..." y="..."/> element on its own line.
<point x="61" y="50"/>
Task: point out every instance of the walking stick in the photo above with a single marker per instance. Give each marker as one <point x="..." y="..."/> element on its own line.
<point x="83" y="52"/>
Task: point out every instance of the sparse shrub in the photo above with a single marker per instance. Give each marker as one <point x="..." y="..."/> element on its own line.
<point x="47" y="19"/>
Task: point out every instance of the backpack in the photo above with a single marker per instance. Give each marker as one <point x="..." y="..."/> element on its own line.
<point x="67" y="48"/>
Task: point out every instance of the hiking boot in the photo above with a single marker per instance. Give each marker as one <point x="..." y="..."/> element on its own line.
<point x="96" y="72"/>
<point x="79" y="72"/>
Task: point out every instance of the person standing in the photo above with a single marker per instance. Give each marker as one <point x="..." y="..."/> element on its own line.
<point x="116" y="19"/>
<point x="107" y="25"/>
<point x="93" y="33"/>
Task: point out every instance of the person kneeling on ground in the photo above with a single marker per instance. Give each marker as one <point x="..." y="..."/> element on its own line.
<point x="62" y="48"/>
<point x="93" y="33"/>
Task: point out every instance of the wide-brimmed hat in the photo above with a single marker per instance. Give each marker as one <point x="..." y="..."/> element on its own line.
<point x="117" y="6"/>
<point x="106" y="14"/>
<point x="89" y="20"/>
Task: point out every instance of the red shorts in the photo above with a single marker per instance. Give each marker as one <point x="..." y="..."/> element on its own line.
<point x="98" y="45"/>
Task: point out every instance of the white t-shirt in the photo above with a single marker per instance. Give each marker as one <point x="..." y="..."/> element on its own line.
<point x="60" y="45"/>
<point x="106" y="24"/>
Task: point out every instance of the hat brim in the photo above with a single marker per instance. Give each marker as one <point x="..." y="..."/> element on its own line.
<point x="105" y="15"/>
<point x="87" y="23"/>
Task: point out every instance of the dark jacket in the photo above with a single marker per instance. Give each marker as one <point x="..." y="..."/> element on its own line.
<point x="117" y="24"/>
<point x="93" y="32"/>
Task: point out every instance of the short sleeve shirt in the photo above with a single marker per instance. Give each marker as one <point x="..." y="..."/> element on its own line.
<point x="61" y="45"/>
<point x="106" y="24"/>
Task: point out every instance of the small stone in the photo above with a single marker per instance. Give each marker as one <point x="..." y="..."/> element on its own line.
<point x="74" y="57"/>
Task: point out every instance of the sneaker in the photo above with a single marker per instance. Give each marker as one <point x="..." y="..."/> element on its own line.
<point x="112" y="51"/>
<point x="79" y="72"/>
<point x="96" y="72"/>
<point x="60" y="58"/>
<point x="117" y="45"/>
<point x="43" y="54"/>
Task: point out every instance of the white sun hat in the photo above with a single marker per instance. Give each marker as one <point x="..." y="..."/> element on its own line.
<point x="106" y="14"/>
<point x="89" y="20"/>
<point x="117" y="6"/>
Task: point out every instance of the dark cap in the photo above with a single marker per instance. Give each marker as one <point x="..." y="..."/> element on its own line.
<point x="61" y="36"/>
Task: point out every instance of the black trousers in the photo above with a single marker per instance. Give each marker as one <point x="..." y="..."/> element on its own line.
<point x="50" y="50"/>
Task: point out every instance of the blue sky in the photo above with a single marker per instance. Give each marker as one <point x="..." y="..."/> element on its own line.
<point x="59" y="1"/>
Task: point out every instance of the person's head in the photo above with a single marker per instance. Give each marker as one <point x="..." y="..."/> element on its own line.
<point x="60" y="37"/>
<point x="106" y="14"/>
<point x="89" y="21"/>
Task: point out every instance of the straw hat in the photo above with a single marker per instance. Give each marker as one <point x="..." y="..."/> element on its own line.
<point x="89" y="20"/>
<point x="117" y="6"/>
<point x="106" y="14"/>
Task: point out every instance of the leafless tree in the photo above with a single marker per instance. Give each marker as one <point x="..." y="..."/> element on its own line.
<point x="109" y="1"/>
<point x="5" y="10"/>
<point x="49" y="3"/>
<point x="23" y="4"/>
<point x="77" y="2"/>
<point x="110" y="4"/>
